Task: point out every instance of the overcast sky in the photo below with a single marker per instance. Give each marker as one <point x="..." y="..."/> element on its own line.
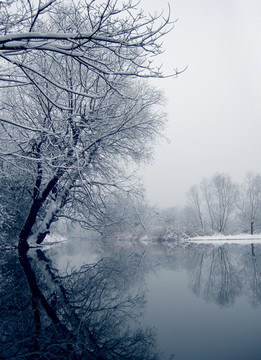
<point x="214" y="107"/>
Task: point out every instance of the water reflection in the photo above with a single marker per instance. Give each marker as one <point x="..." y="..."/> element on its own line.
<point x="251" y="262"/>
<point x="90" y="313"/>
<point x="95" y="311"/>
<point x="215" y="275"/>
<point x="202" y="302"/>
<point x="220" y="274"/>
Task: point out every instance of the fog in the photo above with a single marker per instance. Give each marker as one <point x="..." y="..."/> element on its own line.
<point x="214" y="106"/>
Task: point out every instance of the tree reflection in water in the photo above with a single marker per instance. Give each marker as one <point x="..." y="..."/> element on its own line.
<point x="251" y="260"/>
<point x="86" y="314"/>
<point x="94" y="312"/>
<point x="222" y="273"/>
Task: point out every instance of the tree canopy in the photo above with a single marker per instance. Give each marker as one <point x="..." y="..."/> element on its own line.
<point x="76" y="110"/>
<point x="76" y="107"/>
<point x="108" y="39"/>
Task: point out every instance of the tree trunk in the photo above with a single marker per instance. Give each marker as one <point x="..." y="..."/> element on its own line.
<point x="27" y="228"/>
<point x="252" y="227"/>
<point x="23" y="245"/>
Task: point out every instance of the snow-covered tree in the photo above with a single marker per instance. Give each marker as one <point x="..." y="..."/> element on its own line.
<point x="15" y="198"/>
<point x="78" y="157"/>
<point x="225" y="194"/>
<point x="109" y="39"/>
<point x="76" y="110"/>
<point x="249" y="203"/>
<point x="195" y="200"/>
<point x="213" y="202"/>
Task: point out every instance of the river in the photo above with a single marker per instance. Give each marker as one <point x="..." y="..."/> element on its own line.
<point x="186" y="301"/>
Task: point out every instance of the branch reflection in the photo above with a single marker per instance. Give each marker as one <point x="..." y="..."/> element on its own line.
<point x="251" y="260"/>
<point x="220" y="274"/>
<point x="90" y="313"/>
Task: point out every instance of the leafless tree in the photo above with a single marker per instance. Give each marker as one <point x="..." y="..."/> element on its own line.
<point x="80" y="114"/>
<point x="249" y="203"/>
<point x="226" y="196"/>
<point x="77" y="158"/>
<point x="213" y="202"/>
<point x="195" y="199"/>
<point x="108" y="38"/>
<point x="75" y="110"/>
<point x="208" y="196"/>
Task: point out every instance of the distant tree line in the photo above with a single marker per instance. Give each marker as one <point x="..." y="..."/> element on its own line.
<point x="214" y="205"/>
<point x="218" y="204"/>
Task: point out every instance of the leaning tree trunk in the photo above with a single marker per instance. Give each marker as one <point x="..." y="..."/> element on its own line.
<point x="38" y="201"/>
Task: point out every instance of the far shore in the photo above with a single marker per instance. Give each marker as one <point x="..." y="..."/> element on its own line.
<point x="231" y="239"/>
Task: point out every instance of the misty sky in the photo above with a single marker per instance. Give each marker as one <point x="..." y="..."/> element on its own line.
<point x="214" y="108"/>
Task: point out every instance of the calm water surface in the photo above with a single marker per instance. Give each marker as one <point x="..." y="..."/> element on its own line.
<point x="203" y="300"/>
<point x="191" y="328"/>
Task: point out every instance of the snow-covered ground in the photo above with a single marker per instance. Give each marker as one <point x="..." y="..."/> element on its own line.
<point x="231" y="239"/>
<point x="54" y="238"/>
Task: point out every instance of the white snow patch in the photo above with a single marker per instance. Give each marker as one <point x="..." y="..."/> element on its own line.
<point x="227" y="239"/>
<point x="54" y="239"/>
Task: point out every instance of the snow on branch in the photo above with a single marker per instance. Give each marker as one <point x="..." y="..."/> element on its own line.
<point x="106" y="38"/>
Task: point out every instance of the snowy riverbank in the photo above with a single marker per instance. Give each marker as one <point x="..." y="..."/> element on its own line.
<point x="231" y="239"/>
